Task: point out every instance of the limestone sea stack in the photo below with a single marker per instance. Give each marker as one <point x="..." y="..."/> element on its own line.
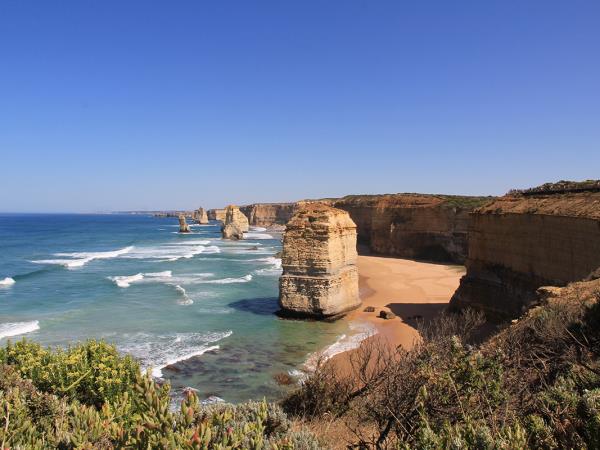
<point x="236" y="223"/>
<point x="183" y="226"/>
<point x="201" y="216"/>
<point x="320" y="278"/>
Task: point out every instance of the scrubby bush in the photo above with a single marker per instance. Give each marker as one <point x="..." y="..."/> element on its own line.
<point x="536" y="384"/>
<point x="71" y="399"/>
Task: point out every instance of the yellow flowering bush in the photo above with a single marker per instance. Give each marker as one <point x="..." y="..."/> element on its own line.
<point x="90" y="397"/>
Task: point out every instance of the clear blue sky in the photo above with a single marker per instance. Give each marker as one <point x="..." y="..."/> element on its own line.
<point x="109" y="105"/>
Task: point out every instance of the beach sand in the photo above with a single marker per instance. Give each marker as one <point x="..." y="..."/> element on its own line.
<point x="412" y="290"/>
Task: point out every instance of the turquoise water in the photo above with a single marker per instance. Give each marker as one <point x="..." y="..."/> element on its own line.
<point x="193" y="302"/>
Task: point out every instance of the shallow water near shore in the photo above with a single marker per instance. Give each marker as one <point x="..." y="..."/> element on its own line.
<point x="195" y="309"/>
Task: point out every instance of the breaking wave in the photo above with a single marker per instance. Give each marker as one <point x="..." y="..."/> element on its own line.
<point x="185" y="299"/>
<point x="80" y="259"/>
<point x="17" y="328"/>
<point x="361" y="331"/>
<point x="243" y="279"/>
<point x="159" y="351"/>
<point x="7" y="282"/>
<point x="126" y="280"/>
<point x="173" y="251"/>
<point x="275" y="268"/>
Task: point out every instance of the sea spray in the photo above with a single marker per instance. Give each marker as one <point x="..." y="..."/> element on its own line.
<point x="18" y="328"/>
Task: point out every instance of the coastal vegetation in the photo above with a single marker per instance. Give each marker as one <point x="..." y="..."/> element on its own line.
<point x="535" y="384"/>
<point x="89" y="396"/>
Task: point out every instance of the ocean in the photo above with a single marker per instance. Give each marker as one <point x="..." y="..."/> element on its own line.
<point x="194" y="309"/>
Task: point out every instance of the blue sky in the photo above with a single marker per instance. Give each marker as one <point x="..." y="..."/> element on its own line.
<point x="111" y="105"/>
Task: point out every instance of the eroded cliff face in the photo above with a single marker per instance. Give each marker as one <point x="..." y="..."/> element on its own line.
<point x="415" y="226"/>
<point x="269" y="215"/>
<point x="521" y="242"/>
<point x="236" y="223"/>
<point x="320" y="278"/>
<point x="216" y="214"/>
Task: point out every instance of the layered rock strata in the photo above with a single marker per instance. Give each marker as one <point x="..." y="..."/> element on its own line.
<point x="523" y="241"/>
<point x="236" y="223"/>
<point x="216" y="214"/>
<point x="200" y="216"/>
<point x="415" y="226"/>
<point x="269" y="215"/>
<point x="320" y="278"/>
<point x="183" y="226"/>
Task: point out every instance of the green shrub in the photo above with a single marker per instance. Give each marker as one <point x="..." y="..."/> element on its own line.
<point x="69" y="399"/>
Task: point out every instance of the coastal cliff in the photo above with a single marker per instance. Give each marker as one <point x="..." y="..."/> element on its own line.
<point x="269" y="215"/>
<point x="414" y="226"/>
<point x="320" y="278"/>
<point x="526" y="239"/>
<point x="216" y="214"/>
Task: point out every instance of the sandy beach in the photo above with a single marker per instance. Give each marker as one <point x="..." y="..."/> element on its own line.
<point x="412" y="290"/>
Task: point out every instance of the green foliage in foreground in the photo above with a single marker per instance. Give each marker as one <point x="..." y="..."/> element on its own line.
<point x="89" y="396"/>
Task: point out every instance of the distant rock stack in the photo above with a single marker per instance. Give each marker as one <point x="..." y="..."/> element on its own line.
<point x="183" y="226"/>
<point x="236" y="223"/>
<point x="320" y="278"/>
<point x="200" y="216"/>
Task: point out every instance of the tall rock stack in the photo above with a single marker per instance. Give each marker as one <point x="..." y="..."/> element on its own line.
<point x="320" y="278"/>
<point x="236" y="223"/>
<point x="183" y="226"/>
<point x="201" y="216"/>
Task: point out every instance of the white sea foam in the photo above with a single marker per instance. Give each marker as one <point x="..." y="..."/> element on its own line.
<point x="243" y="279"/>
<point x="80" y="259"/>
<point x="158" y="351"/>
<point x="7" y="282"/>
<point x="17" y="328"/>
<point x="257" y="229"/>
<point x="125" y="281"/>
<point x="359" y="332"/>
<point x="173" y="252"/>
<point x="185" y="299"/>
<point x="275" y="268"/>
<point x="253" y="235"/>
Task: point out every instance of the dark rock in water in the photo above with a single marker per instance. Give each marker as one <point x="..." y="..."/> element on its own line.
<point x="369" y="309"/>
<point x="386" y="314"/>
<point x="253" y="248"/>
<point x="173" y="368"/>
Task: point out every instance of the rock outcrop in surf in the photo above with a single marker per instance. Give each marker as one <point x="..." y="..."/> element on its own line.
<point x="320" y="278"/>
<point x="548" y="235"/>
<point x="183" y="226"/>
<point x="236" y="223"/>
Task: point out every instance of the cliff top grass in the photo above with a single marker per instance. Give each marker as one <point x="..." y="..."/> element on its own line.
<point x="451" y="201"/>
<point x="559" y="187"/>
